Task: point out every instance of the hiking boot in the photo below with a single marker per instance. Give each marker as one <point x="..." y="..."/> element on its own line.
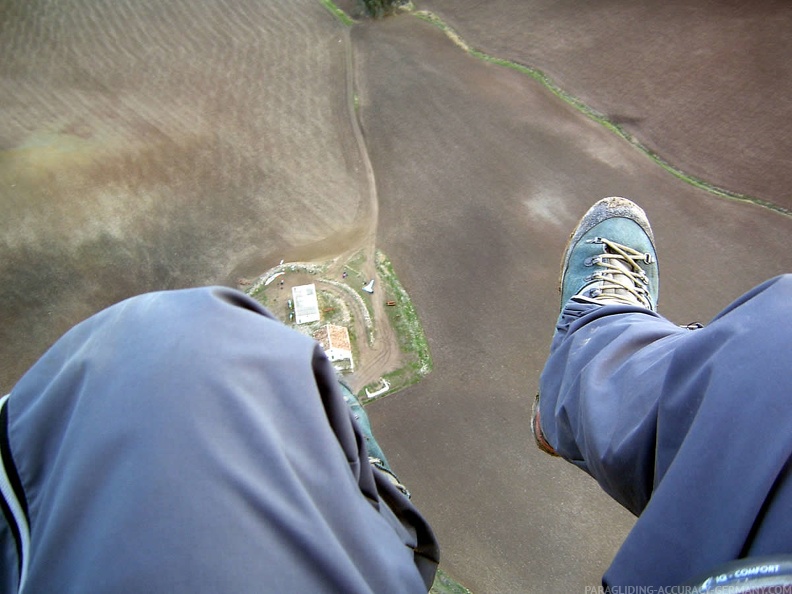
<point x="610" y="257"/>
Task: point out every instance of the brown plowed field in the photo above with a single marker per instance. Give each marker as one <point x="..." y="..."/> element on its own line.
<point x="150" y="145"/>
<point x="481" y="174"/>
<point x="185" y="143"/>
<point x="706" y="84"/>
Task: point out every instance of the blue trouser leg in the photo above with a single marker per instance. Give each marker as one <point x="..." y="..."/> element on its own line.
<point x="186" y="441"/>
<point x="690" y="429"/>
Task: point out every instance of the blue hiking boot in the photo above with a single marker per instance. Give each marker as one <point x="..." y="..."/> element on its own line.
<point x="611" y="258"/>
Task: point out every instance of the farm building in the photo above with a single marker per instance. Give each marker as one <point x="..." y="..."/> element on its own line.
<point x="306" y="306"/>
<point x="335" y="342"/>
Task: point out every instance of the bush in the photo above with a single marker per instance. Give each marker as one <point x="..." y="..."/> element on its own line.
<point x="381" y="8"/>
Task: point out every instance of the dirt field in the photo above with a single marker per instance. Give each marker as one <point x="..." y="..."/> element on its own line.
<point x="481" y="175"/>
<point x="181" y="143"/>
<point x="706" y="84"/>
<point x="163" y="145"/>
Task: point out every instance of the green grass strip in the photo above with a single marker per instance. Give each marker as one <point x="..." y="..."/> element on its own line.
<point x="445" y="584"/>
<point x="338" y="13"/>
<point x="593" y="114"/>
<point x="408" y="326"/>
<point x="410" y="335"/>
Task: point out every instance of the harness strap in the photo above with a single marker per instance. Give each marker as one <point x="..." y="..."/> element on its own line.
<point x="12" y="496"/>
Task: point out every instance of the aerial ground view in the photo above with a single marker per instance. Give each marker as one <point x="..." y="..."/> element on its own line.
<point x="444" y="152"/>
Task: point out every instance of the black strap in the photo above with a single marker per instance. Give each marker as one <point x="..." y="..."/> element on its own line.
<point x="8" y="462"/>
<point x="16" y="485"/>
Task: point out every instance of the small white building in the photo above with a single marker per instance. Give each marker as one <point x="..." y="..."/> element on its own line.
<point x="306" y="306"/>
<point x="335" y="342"/>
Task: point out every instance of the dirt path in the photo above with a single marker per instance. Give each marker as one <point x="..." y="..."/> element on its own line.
<point x="384" y="354"/>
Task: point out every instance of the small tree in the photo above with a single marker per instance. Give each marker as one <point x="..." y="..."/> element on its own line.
<point x="381" y="8"/>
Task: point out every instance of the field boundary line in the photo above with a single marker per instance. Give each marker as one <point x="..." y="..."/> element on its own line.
<point x="598" y="117"/>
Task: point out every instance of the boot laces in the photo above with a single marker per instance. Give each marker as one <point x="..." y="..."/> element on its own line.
<point x="620" y="278"/>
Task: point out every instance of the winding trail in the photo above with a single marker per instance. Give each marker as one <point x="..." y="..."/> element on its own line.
<point x="367" y="212"/>
<point x="381" y="353"/>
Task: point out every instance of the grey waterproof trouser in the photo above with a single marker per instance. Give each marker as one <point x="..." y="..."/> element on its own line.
<point x="691" y="430"/>
<point x="186" y="441"/>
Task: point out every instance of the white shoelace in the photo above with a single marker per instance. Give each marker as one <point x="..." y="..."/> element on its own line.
<point x="621" y="279"/>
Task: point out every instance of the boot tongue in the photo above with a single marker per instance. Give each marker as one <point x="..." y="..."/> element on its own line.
<point x="619" y="279"/>
<point x="610" y="289"/>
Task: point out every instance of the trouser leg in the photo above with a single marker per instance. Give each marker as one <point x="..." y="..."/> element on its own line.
<point x="600" y="390"/>
<point x="187" y="441"/>
<point x="689" y="428"/>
